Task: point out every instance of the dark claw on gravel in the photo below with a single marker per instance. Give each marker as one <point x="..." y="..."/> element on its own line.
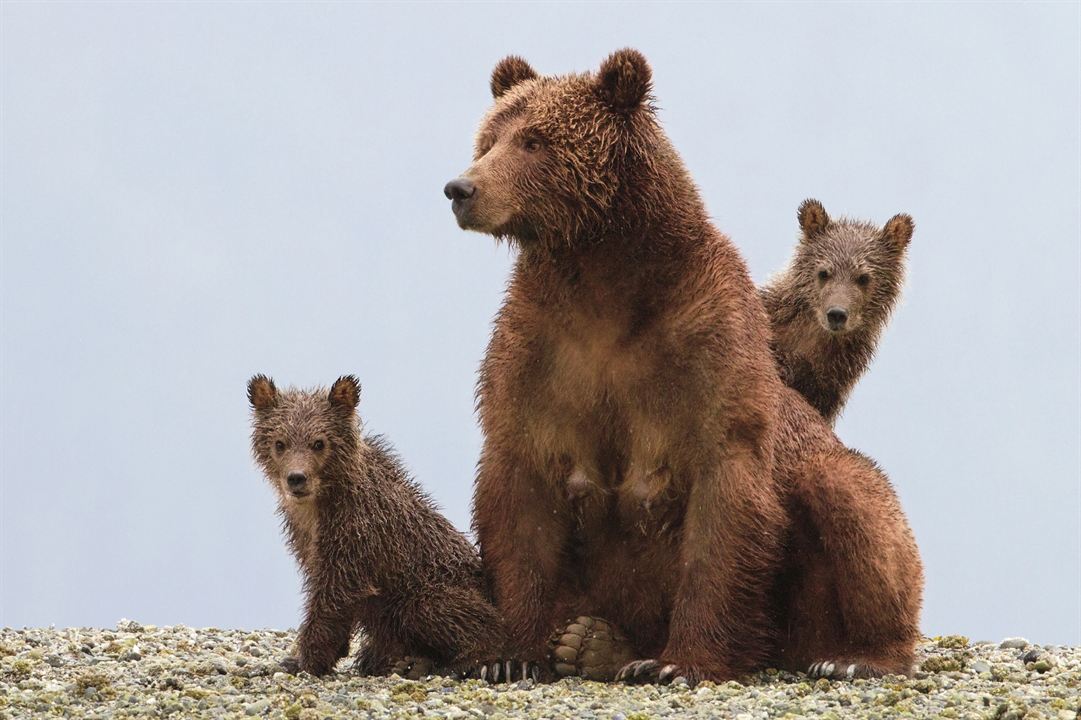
<point x="637" y="670"/>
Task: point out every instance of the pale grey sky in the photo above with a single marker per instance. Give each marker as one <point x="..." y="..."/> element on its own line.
<point x="195" y="192"/>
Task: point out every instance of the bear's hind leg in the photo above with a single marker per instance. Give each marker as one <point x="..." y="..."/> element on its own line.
<point x="854" y="605"/>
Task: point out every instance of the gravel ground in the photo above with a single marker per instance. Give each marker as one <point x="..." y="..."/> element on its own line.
<point x="139" y="671"/>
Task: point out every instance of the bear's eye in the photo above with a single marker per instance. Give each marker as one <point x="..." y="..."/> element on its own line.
<point x="532" y="144"/>
<point x="823" y="275"/>
<point x="318" y="445"/>
<point x="279" y="446"/>
<point x="863" y="280"/>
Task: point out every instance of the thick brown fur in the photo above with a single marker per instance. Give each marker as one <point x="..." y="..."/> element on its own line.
<point x="632" y="352"/>
<point x="851" y="267"/>
<point x="374" y="551"/>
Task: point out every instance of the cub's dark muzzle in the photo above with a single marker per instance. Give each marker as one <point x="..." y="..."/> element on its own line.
<point x="298" y="483"/>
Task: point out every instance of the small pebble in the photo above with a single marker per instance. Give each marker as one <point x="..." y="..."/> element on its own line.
<point x="257" y="708"/>
<point x="1016" y="643"/>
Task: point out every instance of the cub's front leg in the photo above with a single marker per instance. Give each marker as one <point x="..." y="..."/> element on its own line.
<point x="328" y="626"/>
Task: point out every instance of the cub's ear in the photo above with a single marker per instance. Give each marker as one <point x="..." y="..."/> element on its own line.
<point x="510" y="71"/>
<point x="812" y="218"/>
<point x="898" y="231"/>
<point x="261" y="392"/>
<point x="345" y="392"/>
<point x="624" y="80"/>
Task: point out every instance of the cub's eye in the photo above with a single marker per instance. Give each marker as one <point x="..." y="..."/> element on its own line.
<point x="532" y="145"/>
<point x="823" y="275"/>
<point x="863" y="280"/>
<point x="279" y="446"/>
<point x="317" y="445"/>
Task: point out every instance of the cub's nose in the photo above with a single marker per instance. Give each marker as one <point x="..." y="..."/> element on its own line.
<point x="837" y="318"/>
<point x="459" y="189"/>
<point x="296" y="481"/>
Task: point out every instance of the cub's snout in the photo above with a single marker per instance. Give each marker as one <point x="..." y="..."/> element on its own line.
<point x="298" y="483"/>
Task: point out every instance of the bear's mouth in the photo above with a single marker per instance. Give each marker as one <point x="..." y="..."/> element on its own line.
<point x="461" y="209"/>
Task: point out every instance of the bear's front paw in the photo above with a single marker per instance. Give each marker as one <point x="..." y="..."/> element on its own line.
<point x="315" y="663"/>
<point x="413" y="667"/>
<point x="658" y="672"/>
<point x="590" y="648"/>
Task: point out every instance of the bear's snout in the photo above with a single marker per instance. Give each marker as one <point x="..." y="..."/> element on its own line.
<point x="837" y="317"/>
<point x="459" y="189"/>
<point x="297" y="482"/>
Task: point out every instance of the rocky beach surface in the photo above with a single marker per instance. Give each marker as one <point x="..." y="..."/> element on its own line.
<point x="141" y="671"/>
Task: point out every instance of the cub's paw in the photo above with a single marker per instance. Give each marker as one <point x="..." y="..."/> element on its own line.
<point x="412" y="667"/>
<point x="290" y="665"/>
<point x="506" y="671"/>
<point x="658" y="672"/>
<point x="590" y="648"/>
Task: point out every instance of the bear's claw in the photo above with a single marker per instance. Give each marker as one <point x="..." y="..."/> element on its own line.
<point x="653" y="671"/>
<point x="507" y="671"/>
<point x="840" y="670"/>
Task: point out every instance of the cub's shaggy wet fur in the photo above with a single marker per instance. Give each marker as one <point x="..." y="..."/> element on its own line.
<point x="829" y="307"/>
<point x="374" y="551"/>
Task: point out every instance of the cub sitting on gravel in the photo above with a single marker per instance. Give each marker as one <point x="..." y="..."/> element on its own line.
<point x="374" y="551"/>
<point x="827" y="310"/>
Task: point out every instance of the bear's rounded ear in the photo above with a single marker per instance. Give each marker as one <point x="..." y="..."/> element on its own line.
<point x="624" y="80"/>
<point x="898" y="230"/>
<point x="812" y="218"/>
<point x="510" y="71"/>
<point x="345" y="392"/>
<point x="261" y="392"/>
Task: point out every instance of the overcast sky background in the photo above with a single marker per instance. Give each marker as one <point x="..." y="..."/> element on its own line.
<point x="193" y="193"/>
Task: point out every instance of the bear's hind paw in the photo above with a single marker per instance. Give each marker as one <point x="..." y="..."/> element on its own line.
<point x="844" y="670"/>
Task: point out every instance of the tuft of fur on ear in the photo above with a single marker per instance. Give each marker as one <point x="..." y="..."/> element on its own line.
<point x="624" y="80"/>
<point x="345" y="392"/>
<point x="898" y="230"/>
<point x="510" y="71"/>
<point x="261" y="392"/>
<point x="812" y="218"/>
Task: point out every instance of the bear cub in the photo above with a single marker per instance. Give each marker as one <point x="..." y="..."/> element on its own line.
<point x="375" y="553"/>
<point x="827" y="310"/>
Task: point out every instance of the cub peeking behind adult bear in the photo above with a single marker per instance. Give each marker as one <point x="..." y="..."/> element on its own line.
<point x="632" y="353"/>
<point x="829" y="306"/>
<point x="374" y="551"/>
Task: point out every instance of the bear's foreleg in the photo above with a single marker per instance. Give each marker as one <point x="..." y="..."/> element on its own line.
<point x="522" y="526"/>
<point x="324" y="637"/>
<point x="720" y="626"/>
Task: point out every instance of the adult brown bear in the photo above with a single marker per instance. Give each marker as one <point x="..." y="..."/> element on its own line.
<point x="642" y="460"/>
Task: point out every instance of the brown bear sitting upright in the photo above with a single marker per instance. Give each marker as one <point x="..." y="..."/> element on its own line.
<point x="632" y="353"/>
<point x="828" y="308"/>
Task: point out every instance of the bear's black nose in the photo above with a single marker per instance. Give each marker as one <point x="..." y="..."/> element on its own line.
<point x="837" y="318"/>
<point x="459" y="189"/>
<point x="296" y="480"/>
